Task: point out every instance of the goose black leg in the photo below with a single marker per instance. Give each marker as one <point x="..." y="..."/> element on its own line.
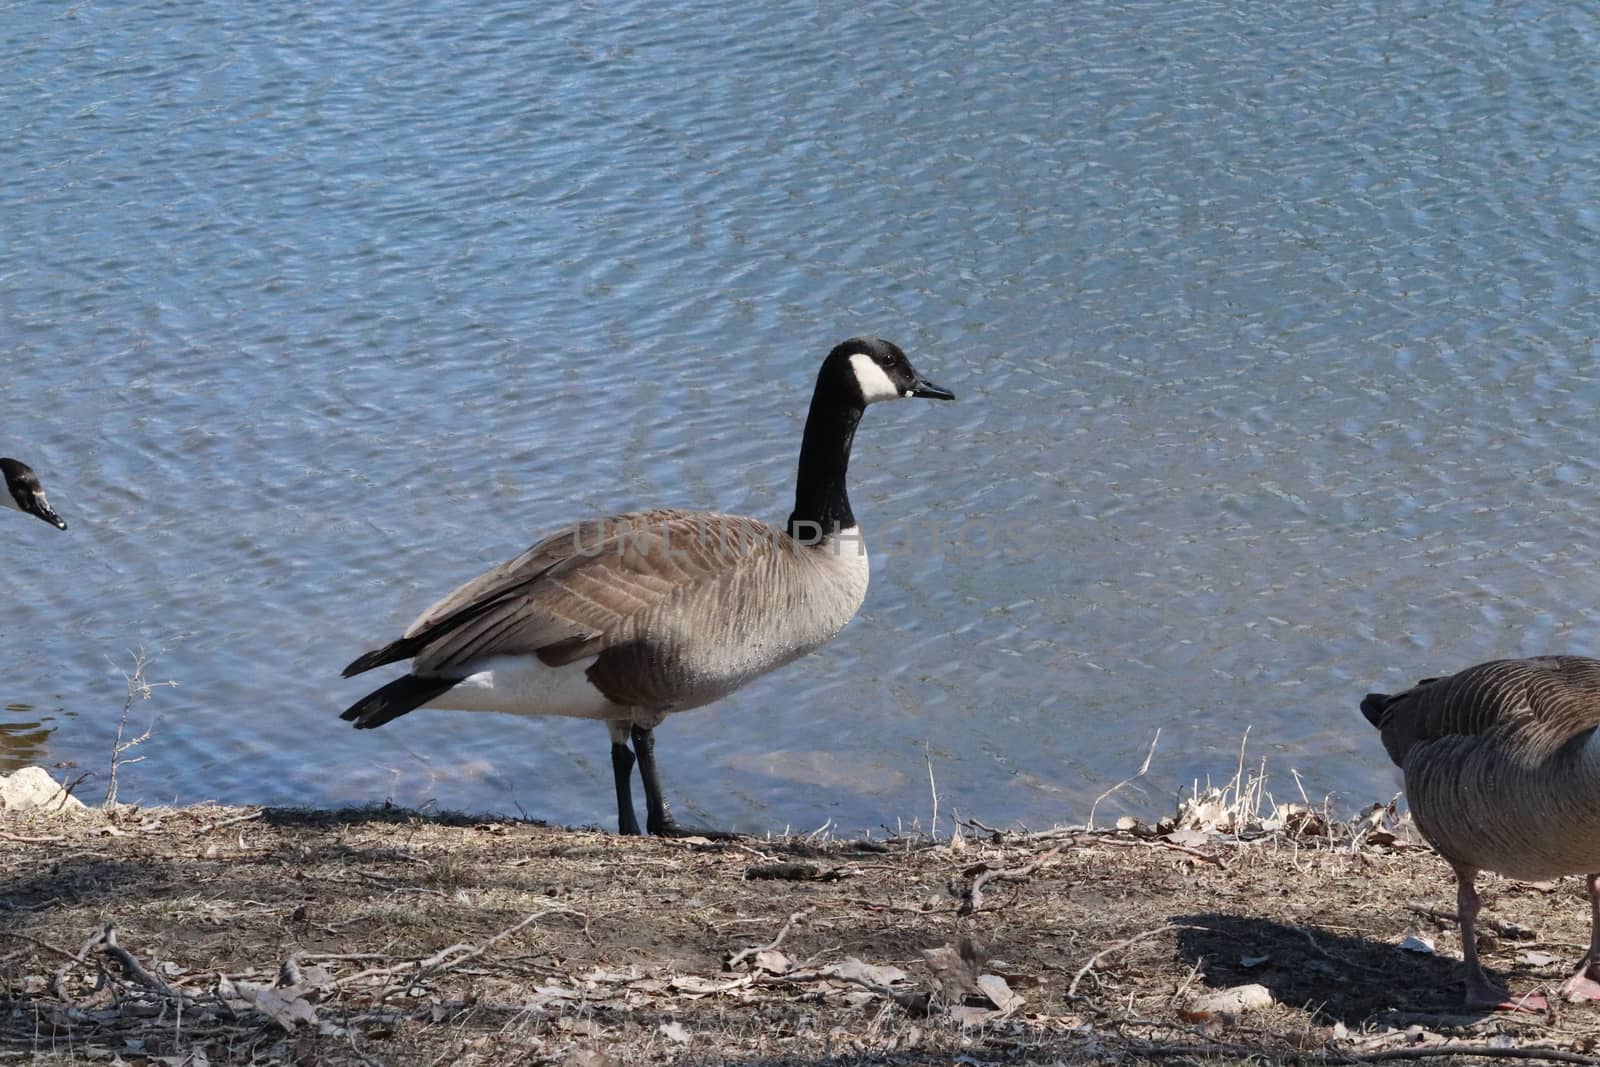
<point x="622" y="771"/>
<point x="658" y="817"/>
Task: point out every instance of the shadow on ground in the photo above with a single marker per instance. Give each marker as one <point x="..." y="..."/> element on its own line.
<point x="1334" y="976"/>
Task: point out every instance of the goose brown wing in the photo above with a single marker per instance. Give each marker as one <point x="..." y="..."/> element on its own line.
<point x="1543" y="702"/>
<point x="575" y="593"/>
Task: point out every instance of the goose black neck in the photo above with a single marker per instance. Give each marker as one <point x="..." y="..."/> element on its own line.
<point x="821" y="505"/>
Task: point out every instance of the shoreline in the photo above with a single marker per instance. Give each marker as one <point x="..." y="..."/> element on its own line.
<point x="381" y="935"/>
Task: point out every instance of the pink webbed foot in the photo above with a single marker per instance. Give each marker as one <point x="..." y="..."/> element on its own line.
<point x="1492" y="997"/>
<point x="1581" y="987"/>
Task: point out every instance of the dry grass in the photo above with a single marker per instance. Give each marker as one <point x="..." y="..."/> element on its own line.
<point x="384" y="936"/>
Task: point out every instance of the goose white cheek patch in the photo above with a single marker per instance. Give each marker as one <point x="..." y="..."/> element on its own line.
<point x="875" y="384"/>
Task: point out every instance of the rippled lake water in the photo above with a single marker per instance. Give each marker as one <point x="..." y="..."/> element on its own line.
<point x="1273" y="326"/>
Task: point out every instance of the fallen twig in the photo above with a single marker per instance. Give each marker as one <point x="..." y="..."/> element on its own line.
<point x="876" y="905"/>
<point x="734" y="961"/>
<point x="445" y="959"/>
<point x="1161" y="842"/>
<point x="23" y="839"/>
<point x="1342" y="961"/>
<point x="58" y="979"/>
<point x="35" y="942"/>
<point x="104" y="939"/>
<point x="247" y="817"/>
<point x="107" y="943"/>
<point x="1334" y="1057"/>
<point x="1514" y="931"/>
<point x="1072" y="990"/>
<point x="1143" y="770"/>
<point x="787" y="872"/>
<point x="914" y="1001"/>
<point x="1006" y="874"/>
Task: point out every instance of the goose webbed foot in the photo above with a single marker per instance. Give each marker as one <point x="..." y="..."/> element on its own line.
<point x="1585" y="985"/>
<point x="658" y="816"/>
<point x="1482" y="993"/>
<point x="1582" y="986"/>
<point x="670" y="828"/>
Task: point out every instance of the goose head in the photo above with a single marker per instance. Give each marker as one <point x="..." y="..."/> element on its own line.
<point x="23" y="492"/>
<point x="873" y="370"/>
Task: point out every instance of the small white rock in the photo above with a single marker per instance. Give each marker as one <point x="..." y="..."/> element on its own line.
<point x="1233" y="1001"/>
<point x="32" y="789"/>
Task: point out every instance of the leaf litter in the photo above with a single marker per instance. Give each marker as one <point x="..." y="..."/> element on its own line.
<point x="1237" y="930"/>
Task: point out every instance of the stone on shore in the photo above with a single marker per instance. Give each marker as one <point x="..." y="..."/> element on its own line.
<point x="32" y="789"/>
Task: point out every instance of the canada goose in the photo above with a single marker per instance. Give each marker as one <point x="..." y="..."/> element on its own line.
<point x="24" y="492"/>
<point x="630" y="618"/>
<point x="1502" y="769"/>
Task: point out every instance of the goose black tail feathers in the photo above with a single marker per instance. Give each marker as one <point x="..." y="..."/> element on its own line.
<point x="406" y="693"/>
<point x="393" y="652"/>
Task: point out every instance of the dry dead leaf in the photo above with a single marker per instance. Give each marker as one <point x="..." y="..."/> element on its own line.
<point x="305" y="979"/>
<point x="582" y="1025"/>
<point x="967" y="1015"/>
<point x="695" y="986"/>
<point x="588" y="1057"/>
<point x="604" y="977"/>
<point x="852" y="969"/>
<point x="650" y="985"/>
<point x="555" y="992"/>
<point x="283" y="1006"/>
<point x="772" y="961"/>
<point x="999" y="993"/>
<point x="955" y="970"/>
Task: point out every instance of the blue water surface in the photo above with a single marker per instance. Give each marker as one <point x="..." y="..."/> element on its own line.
<point x="1273" y="326"/>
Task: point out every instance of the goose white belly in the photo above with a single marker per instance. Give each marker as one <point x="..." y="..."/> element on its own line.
<point x="523" y="685"/>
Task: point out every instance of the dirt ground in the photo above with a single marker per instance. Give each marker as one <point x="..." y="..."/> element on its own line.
<point x="381" y="936"/>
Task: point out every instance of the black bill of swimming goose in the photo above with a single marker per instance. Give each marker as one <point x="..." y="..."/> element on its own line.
<point x="24" y="492"/>
<point x="630" y="618"/>
<point x="1502" y="771"/>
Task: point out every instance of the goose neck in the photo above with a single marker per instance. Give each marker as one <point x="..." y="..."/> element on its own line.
<point x="821" y="502"/>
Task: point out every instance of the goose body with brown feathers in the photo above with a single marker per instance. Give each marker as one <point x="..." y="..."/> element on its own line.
<point x="1502" y="772"/>
<point x="631" y="618"/>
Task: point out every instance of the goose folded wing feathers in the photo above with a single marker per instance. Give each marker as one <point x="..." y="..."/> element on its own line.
<point x="575" y="593"/>
<point x="1534" y="704"/>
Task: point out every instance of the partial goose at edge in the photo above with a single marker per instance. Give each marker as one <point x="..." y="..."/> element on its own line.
<point x="25" y="493"/>
<point x="1502" y="772"/>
